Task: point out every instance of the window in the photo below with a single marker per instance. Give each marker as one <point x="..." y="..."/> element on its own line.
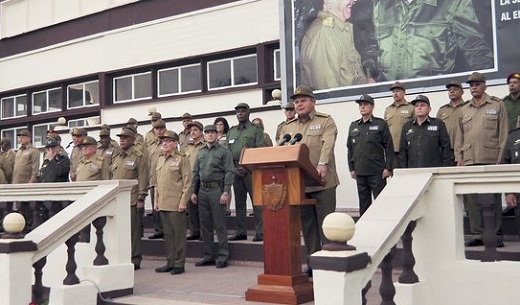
<point x="91" y="121"/>
<point x="40" y="133"/>
<point x="14" y="106"/>
<point x="277" y="65"/>
<point x="133" y="87"/>
<point x="178" y="80"/>
<point x="237" y="71"/>
<point x="83" y="94"/>
<point x="46" y="101"/>
<point x="11" y="135"/>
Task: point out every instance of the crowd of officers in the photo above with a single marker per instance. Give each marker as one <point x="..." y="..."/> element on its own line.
<point x="191" y="173"/>
<point x="479" y="131"/>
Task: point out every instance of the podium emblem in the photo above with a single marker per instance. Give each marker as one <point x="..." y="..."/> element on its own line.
<point x="274" y="195"/>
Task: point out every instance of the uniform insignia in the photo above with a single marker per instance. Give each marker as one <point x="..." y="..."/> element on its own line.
<point x="231" y="141"/>
<point x="315" y="127"/>
<point x="409" y="131"/>
<point x="491" y="111"/>
<point x="373" y="128"/>
<point x="405" y="111"/>
<point x="432" y="128"/>
<point x="130" y="163"/>
<point x="328" y="22"/>
<point x="175" y="163"/>
<point x="25" y="153"/>
<point x="109" y="152"/>
<point x="517" y="141"/>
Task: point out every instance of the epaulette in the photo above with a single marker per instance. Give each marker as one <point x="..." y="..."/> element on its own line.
<point x="281" y="124"/>
<point x="100" y="158"/>
<point x="324" y="115"/>
<point x="293" y="120"/>
<point x="496" y="99"/>
<point x="182" y="154"/>
<point x="328" y="22"/>
<point x="138" y="152"/>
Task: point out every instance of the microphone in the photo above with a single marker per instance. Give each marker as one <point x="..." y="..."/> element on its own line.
<point x="297" y="138"/>
<point x="286" y="138"/>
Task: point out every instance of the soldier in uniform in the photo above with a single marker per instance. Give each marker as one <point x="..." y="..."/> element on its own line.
<point x="397" y="114"/>
<point x="172" y="193"/>
<point x="449" y="113"/>
<point x="370" y="153"/>
<point x="290" y="114"/>
<point x="106" y="146"/>
<point x="184" y="135"/>
<point x="154" y="151"/>
<point x="329" y="58"/>
<point x="7" y="157"/>
<point x="78" y="134"/>
<point x="92" y="166"/>
<point x="131" y="163"/>
<point x="480" y="139"/>
<point x="424" y="141"/>
<point x="150" y="138"/>
<point x="213" y="173"/>
<point x="512" y="100"/>
<point x="244" y="135"/>
<point x="133" y="124"/>
<point x="195" y="143"/>
<point x="319" y="133"/>
<point x="56" y="165"/>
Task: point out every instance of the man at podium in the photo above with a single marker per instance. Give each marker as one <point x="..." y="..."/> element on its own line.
<point x="319" y="133"/>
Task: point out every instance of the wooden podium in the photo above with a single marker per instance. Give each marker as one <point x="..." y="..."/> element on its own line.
<point x="279" y="178"/>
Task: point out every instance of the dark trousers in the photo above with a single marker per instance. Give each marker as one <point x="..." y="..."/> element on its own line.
<point x="475" y="214"/>
<point x="368" y="186"/>
<point x="242" y="186"/>
<point x="174" y="225"/>
<point x="193" y="211"/>
<point x="157" y="224"/>
<point x="213" y="217"/>
<point x="135" y="235"/>
<point x="312" y="217"/>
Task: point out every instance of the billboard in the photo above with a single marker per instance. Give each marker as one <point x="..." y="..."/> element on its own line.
<point x="345" y="48"/>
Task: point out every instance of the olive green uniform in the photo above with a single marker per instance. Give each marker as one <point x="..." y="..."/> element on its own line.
<point x="513" y="110"/>
<point x="171" y="189"/>
<point x="107" y="153"/>
<point x="7" y="159"/>
<point x="319" y="134"/>
<point x="133" y="164"/>
<point x="75" y="156"/>
<point x="95" y="168"/>
<point x="480" y="139"/>
<point x="449" y="115"/>
<point x="242" y="136"/>
<point x="328" y="56"/>
<point x="26" y="164"/>
<point x="213" y="174"/>
<point x="191" y="151"/>
<point x="184" y="137"/>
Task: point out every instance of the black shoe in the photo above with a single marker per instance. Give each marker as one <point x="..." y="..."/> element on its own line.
<point x="156" y="235"/>
<point x="203" y="263"/>
<point x="252" y="214"/>
<point x="193" y="237"/>
<point x="137" y="266"/>
<point x="177" y="270"/>
<point x="164" y="269"/>
<point x="309" y="271"/>
<point x="500" y="244"/>
<point x="221" y="265"/>
<point x="258" y="237"/>
<point x="474" y="243"/>
<point x="238" y="237"/>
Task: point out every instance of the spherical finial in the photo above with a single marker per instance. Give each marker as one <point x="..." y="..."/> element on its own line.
<point x="152" y="109"/>
<point x="13" y="225"/>
<point x="339" y="227"/>
<point x="62" y="121"/>
<point x="276" y="94"/>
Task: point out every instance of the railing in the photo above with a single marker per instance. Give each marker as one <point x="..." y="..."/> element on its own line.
<point x="426" y="204"/>
<point x="48" y="262"/>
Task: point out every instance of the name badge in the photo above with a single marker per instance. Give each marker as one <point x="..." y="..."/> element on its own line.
<point x="315" y="127"/>
<point x="432" y="128"/>
<point x="175" y="163"/>
<point x="405" y="111"/>
<point x="231" y="141"/>
<point x="130" y="163"/>
<point x="374" y="128"/>
<point x="491" y="111"/>
<point x="25" y="153"/>
<point x="108" y="152"/>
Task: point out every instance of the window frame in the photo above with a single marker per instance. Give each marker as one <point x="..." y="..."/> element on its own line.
<point x="83" y="90"/>
<point x="179" y="80"/>
<point x="133" y="98"/>
<point x="47" y="100"/>
<point x="232" y="76"/>
<point x="14" y="97"/>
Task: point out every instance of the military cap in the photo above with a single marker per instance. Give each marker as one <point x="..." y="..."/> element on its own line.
<point x="57" y="137"/>
<point x="52" y="141"/>
<point x="78" y="132"/>
<point x="131" y="121"/>
<point x="132" y="128"/>
<point x="421" y="98"/>
<point x="169" y="134"/>
<point x="303" y="90"/>
<point x="365" y="98"/>
<point x="398" y="85"/>
<point x="210" y="128"/>
<point x="289" y="105"/>
<point x="454" y="83"/>
<point x="5" y="141"/>
<point x="126" y="132"/>
<point x="88" y="141"/>
<point x="476" y="77"/>
<point x="186" y="115"/>
<point x="197" y="124"/>
<point x="24" y="132"/>
<point x="242" y="105"/>
<point x="104" y="132"/>
<point x="513" y="75"/>
<point x="155" y="116"/>
<point x="159" y="123"/>
<point x="51" y="130"/>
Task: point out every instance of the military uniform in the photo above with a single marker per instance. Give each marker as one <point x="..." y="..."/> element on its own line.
<point x="512" y="106"/>
<point x="55" y="170"/>
<point x="213" y="173"/>
<point x="319" y="134"/>
<point x="107" y="153"/>
<point x="370" y="151"/>
<point x="449" y="116"/>
<point x="7" y="159"/>
<point x="95" y="168"/>
<point x="171" y="190"/>
<point x="26" y="164"/>
<point x="396" y="117"/>
<point x="511" y="155"/>
<point x="133" y="164"/>
<point x="328" y="56"/>
<point x="246" y="135"/>
<point x="424" y="38"/>
<point x="191" y="151"/>
<point x="425" y="145"/>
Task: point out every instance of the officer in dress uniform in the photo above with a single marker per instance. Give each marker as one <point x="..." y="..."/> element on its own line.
<point x="448" y="113"/>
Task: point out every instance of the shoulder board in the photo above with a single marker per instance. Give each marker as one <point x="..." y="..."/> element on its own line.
<point x="291" y="121"/>
<point x="328" y="22"/>
<point x="138" y="153"/>
<point x="100" y="158"/>
<point x="465" y="102"/>
<point x="234" y="126"/>
<point x="376" y="119"/>
<point x="325" y="115"/>
<point x="182" y="154"/>
<point x="281" y="124"/>
<point x="494" y="98"/>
